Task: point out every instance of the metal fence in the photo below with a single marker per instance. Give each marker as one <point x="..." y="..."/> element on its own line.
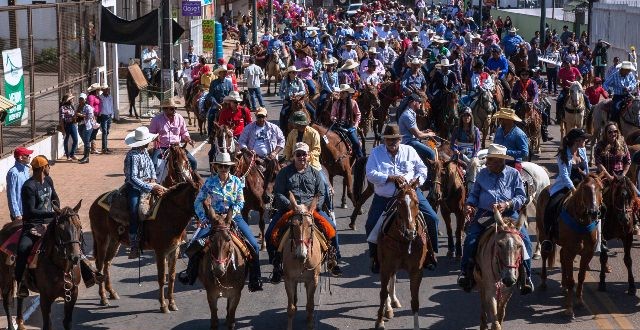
<point x="59" y="54"/>
<point x="619" y="25"/>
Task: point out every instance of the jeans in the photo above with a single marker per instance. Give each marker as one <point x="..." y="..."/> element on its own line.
<point x="423" y="151"/>
<point x="352" y="134"/>
<point x="24" y="249"/>
<point x="157" y="153"/>
<point x="133" y="197"/>
<point x="328" y="201"/>
<point x="255" y="93"/>
<point x="379" y="205"/>
<point x="70" y="130"/>
<point x="322" y="100"/>
<point x="474" y="231"/>
<point x="85" y="135"/>
<point x="94" y="135"/>
<point x="272" y="249"/>
<point x="105" y="126"/>
<point x="552" y="79"/>
<point x="311" y="86"/>
<point x="242" y="226"/>
<point x="147" y="73"/>
<point x="617" y="107"/>
<point x="211" y="118"/>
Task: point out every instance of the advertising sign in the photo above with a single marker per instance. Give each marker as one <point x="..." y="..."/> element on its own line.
<point x="13" y="84"/>
<point x="208" y="35"/>
<point x="191" y="8"/>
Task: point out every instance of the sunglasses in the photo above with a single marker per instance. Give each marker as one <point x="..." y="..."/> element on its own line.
<point x="301" y="154"/>
<point x="612" y="131"/>
<point x="221" y="166"/>
<point x="261" y="116"/>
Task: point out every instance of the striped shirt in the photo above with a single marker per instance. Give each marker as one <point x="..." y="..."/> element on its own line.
<point x="139" y="169"/>
<point x="617" y="83"/>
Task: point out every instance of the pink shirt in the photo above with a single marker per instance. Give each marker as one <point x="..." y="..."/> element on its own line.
<point x="94" y="102"/>
<point x="341" y="114"/>
<point x="169" y="132"/>
<point x="303" y="63"/>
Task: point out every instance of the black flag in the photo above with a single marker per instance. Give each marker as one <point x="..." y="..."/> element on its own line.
<point x="140" y="31"/>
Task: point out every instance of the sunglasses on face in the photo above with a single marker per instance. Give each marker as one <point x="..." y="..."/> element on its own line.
<point x="301" y="154"/>
<point x="223" y="166"/>
<point x="261" y="116"/>
<point x="612" y="131"/>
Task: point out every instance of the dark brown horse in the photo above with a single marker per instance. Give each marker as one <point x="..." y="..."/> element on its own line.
<point x="532" y="123"/>
<point x="389" y="93"/>
<point x="620" y="201"/>
<point x="368" y="102"/>
<point x="161" y="235"/>
<point x="223" y="268"/>
<point x="447" y="114"/>
<point x="191" y="104"/>
<point x="577" y="235"/>
<point x="178" y="168"/>
<point x="335" y="157"/>
<point x="403" y="246"/>
<point x="57" y="273"/>
<point x="453" y="187"/>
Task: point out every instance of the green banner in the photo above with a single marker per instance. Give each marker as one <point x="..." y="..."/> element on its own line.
<point x="13" y="84"/>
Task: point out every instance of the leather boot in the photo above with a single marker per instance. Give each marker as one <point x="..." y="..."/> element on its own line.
<point x="23" y="291"/>
<point x="276" y="276"/>
<point x="375" y="264"/>
<point x="545" y="134"/>
<point x="255" y="280"/>
<point x="190" y="275"/>
<point x="90" y="275"/>
<point x="526" y="285"/>
<point x="134" y="251"/>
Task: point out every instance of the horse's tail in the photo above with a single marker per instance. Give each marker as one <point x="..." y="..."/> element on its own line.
<point x="551" y="260"/>
<point x="359" y="178"/>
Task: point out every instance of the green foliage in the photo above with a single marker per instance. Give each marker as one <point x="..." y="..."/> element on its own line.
<point x="47" y="56"/>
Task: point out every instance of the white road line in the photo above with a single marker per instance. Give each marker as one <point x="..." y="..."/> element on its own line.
<point x="35" y="303"/>
<point x="198" y="148"/>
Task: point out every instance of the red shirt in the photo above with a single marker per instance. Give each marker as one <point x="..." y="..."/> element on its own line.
<point x="406" y="43"/>
<point x="567" y="76"/>
<point x="237" y="119"/>
<point x="593" y="93"/>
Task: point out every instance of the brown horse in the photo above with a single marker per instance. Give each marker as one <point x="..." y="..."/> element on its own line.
<point x="389" y="93"/>
<point x="446" y="115"/>
<point x="532" y="122"/>
<point x="302" y="261"/>
<point x="57" y="273"/>
<point x="335" y="157"/>
<point x="498" y="92"/>
<point x="620" y="201"/>
<point x="223" y="268"/>
<point x="579" y="209"/>
<point x="498" y="261"/>
<point x="272" y="69"/>
<point x="222" y="137"/>
<point x="161" y="235"/>
<point x="191" y="105"/>
<point x="258" y="186"/>
<point x="482" y="109"/>
<point x="403" y="246"/>
<point x="454" y="189"/>
<point x="368" y="102"/>
<point x="178" y="168"/>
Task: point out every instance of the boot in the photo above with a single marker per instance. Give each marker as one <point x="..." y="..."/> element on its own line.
<point x="23" y="291"/>
<point x="189" y="275"/>
<point x="375" y="264"/>
<point x="134" y="251"/>
<point x="465" y="279"/>
<point x="276" y="276"/>
<point x="526" y="285"/>
<point x="85" y="156"/>
<point x="90" y="275"/>
<point x="545" y="134"/>
<point x="255" y="280"/>
<point x="94" y="150"/>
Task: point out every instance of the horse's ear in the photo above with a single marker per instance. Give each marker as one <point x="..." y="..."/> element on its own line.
<point x="292" y="200"/>
<point x="498" y="216"/>
<point x="77" y="207"/>
<point x="314" y="203"/>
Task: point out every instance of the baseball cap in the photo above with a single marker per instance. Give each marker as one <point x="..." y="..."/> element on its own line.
<point x="22" y="151"/>
<point x="261" y="111"/>
<point x="39" y="162"/>
<point x="302" y="146"/>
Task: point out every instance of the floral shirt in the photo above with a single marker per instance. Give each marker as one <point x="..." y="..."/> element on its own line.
<point x="222" y="197"/>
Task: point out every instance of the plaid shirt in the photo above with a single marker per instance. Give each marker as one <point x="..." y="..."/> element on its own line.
<point x="475" y="49"/>
<point x="618" y="84"/>
<point x="612" y="160"/>
<point x="139" y="169"/>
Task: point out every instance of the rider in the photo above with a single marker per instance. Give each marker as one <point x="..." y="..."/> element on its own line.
<point x="349" y="53"/>
<point x="415" y="51"/>
<point x="262" y="137"/>
<point x="512" y="137"/>
<point x="371" y="76"/>
<point x="149" y="61"/>
<point x="496" y="185"/>
<point x="567" y="75"/>
<point x="386" y="55"/>
<point x="171" y="129"/>
<point x="511" y="42"/>
<point x="347" y="73"/>
<point x="38" y="200"/>
<point x="465" y="142"/>
<point x="444" y="80"/>
<point x="140" y="177"/>
<point x="411" y="134"/>
<point x="595" y="91"/>
<point x="218" y="89"/>
<point x="526" y="90"/>
<point x="224" y="191"/>
<point x="372" y="59"/>
<point x="291" y="86"/>
<point x="622" y="83"/>
<point x="499" y="64"/>
<point x="304" y="64"/>
<point x="481" y="82"/>
<point x="413" y="79"/>
<point x="233" y="114"/>
<point x="345" y="114"/>
<point x="304" y="182"/>
<point x="328" y="82"/>
<point x="394" y="164"/>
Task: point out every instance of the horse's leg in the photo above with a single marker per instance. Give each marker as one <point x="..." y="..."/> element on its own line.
<point x="212" y="298"/>
<point x="459" y="227"/>
<point x="414" y="284"/>
<point x="567" y="280"/>
<point x="172" y="259"/>
<point x="68" y="309"/>
<point x="261" y="226"/>
<point x="7" y="297"/>
<point x="604" y="258"/>
<point x="584" y="265"/>
<point x="384" y="295"/>
<point x="348" y="186"/>
<point x="446" y="216"/>
<point x="490" y="306"/>
<point x="232" y="305"/>
<point x="357" y="206"/>
<point x="628" y="242"/>
<point x="161" y="265"/>
<point x="543" y="272"/>
<point x="100" y="247"/>
<point x="19" y="317"/>
<point x="483" y="312"/>
<point x="345" y="185"/>
<point x="311" y="292"/>
<point x="45" y="308"/>
<point x="290" y="287"/>
<point x="112" y="250"/>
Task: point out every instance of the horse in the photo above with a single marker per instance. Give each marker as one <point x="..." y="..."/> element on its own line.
<point x="389" y="93"/>
<point x="162" y="235"/>
<point x="520" y="59"/>
<point x="403" y="246"/>
<point x="258" y="188"/>
<point x="57" y="274"/>
<point x="574" y="107"/>
<point x="482" y="108"/>
<point x="273" y="69"/>
<point x="532" y="122"/>
<point x="498" y="92"/>
<point x="223" y="268"/>
<point x="178" y="168"/>
<point x="498" y="261"/>
<point x="447" y="113"/>
<point x="577" y="235"/>
<point x="133" y="90"/>
<point x="192" y="104"/>
<point x="620" y="201"/>
<point x="453" y="187"/>
<point x="335" y="157"/>
<point x="301" y="259"/>
<point x="368" y="102"/>
<point x="222" y="139"/>
<point x="628" y="123"/>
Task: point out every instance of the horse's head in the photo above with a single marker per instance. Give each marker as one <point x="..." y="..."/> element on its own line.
<point x="623" y="199"/>
<point x="587" y="199"/>
<point x="370" y="93"/>
<point x="178" y="167"/>
<point x="66" y="232"/>
<point x="452" y="179"/>
<point x="408" y="210"/>
<point x="508" y="247"/>
<point x="435" y="167"/>
<point x="301" y="223"/>
<point x="223" y="138"/>
<point x="221" y="243"/>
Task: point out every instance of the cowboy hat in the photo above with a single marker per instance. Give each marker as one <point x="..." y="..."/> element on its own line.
<point x="139" y="137"/>
<point x="391" y="131"/>
<point x="168" y="103"/>
<point x="349" y="43"/>
<point x="223" y="158"/>
<point x="381" y="40"/>
<point x="498" y="151"/>
<point x="93" y="87"/>
<point x="513" y="30"/>
<point x="627" y="65"/>
<point x="67" y="97"/>
<point x="299" y="118"/>
<point x="429" y="31"/>
<point x="416" y="61"/>
<point x="475" y="36"/>
<point x="233" y="96"/>
<point x="261" y="111"/>
<point x="359" y="25"/>
<point x="577" y="133"/>
<point x="291" y="69"/>
<point x="220" y="69"/>
<point x="330" y="61"/>
<point x="349" y="64"/>
<point x="415" y="40"/>
<point x="413" y="30"/>
<point x="443" y="63"/>
<point x="372" y="50"/>
<point x="104" y="86"/>
<point x="313" y="34"/>
<point x="346" y="88"/>
<point x="507" y="113"/>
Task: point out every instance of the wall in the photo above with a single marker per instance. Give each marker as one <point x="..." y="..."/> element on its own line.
<point x="617" y="24"/>
<point x="529" y="22"/>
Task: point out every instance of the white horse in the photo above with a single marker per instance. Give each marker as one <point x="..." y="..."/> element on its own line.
<point x="574" y="107"/>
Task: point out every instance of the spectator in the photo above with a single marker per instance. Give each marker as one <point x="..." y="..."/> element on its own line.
<point x="94" y="101"/>
<point x="252" y="76"/>
<point x="600" y="58"/>
<point x="86" y="125"/>
<point x="106" y="115"/>
<point x="16" y="177"/>
<point x="69" y="126"/>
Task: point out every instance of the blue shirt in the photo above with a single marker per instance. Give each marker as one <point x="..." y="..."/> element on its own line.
<point x="516" y="142"/>
<point x="222" y="197"/>
<point x="139" y="169"/>
<point x="16" y="177"/>
<point x="273" y="45"/>
<point x="409" y="80"/>
<point x="501" y="64"/>
<point x="511" y="43"/>
<point x="218" y="90"/>
<point x="564" y="171"/>
<point x="329" y="81"/>
<point x="491" y="188"/>
<point x="617" y="83"/>
<point x="406" y="122"/>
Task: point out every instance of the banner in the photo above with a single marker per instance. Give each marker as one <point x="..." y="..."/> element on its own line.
<point x="140" y="31"/>
<point x="208" y="35"/>
<point x="191" y="8"/>
<point x="13" y="84"/>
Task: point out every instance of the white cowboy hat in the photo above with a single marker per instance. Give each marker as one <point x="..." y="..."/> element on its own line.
<point x="415" y="39"/>
<point x="104" y="86"/>
<point x="93" y="87"/>
<point x="82" y="96"/>
<point x="497" y="151"/>
<point x="440" y="40"/>
<point x="330" y="61"/>
<point x="416" y="61"/>
<point x="139" y="137"/>
<point x="507" y="113"/>
<point x="223" y="158"/>
<point x="220" y="69"/>
<point x="313" y="34"/>
<point x="513" y="29"/>
<point x="349" y="43"/>
<point x="429" y="31"/>
<point x="349" y="64"/>
<point x="359" y="25"/>
<point x="443" y="63"/>
<point x="413" y="30"/>
<point x="372" y="50"/>
<point x="346" y="88"/>
<point x="233" y="96"/>
<point x="627" y="65"/>
<point x="291" y="69"/>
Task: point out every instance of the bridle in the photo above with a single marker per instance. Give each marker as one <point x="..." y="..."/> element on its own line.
<point x="225" y="261"/>
<point x="297" y="220"/>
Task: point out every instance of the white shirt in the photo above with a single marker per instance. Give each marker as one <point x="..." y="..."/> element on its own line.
<point x="106" y="105"/>
<point x="351" y="54"/>
<point x="380" y="166"/>
<point x="147" y="54"/>
<point x="252" y="76"/>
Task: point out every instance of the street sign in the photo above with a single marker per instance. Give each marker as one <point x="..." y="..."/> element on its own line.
<point x="13" y="84"/>
<point x="208" y="35"/>
<point x="191" y="8"/>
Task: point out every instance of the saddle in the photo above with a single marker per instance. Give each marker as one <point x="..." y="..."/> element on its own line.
<point x="386" y="219"/>
<point x="10" y="248"/>
<point x="324" y="230"/>
<point x="342" y="133"/>
<point x="238" y="240"/>
<point x="115" y="202"/>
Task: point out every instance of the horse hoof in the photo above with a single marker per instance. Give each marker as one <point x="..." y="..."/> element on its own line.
<point x="104" y="302"/>
<point x="164" y="310"/>
<point x="396" y="304"/>
<point x="388" y="313"/>
<point x="173" y="307"/>
<point x="352" y="225"/>
<point x="380" y="325"/>
<point x="113" y="296"/>
<point x="343" y="205"/>
<point x="536" y="256"/>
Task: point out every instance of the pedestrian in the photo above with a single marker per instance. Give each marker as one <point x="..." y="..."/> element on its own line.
<point x="69" y="126"/>
<point x="94" y="101"/>
<point x="252" y="77"/>
<point x="86" y="125"/>
<point x="16" y="177"/>
<point x="106" y="116"/>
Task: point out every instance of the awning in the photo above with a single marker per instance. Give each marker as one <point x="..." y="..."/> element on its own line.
<point x="5" y="104"/>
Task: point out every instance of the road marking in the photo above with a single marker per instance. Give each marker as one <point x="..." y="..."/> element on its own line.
<point x="610" y="306"/>
<point x="35" y="303"/>
<point x="198" y="148"/>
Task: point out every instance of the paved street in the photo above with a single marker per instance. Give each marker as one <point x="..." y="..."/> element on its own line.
<point x="348" y="302"/>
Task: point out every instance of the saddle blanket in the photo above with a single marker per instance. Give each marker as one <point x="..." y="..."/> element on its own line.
<point x="115" y="202"/>
<point x="319" y="222"/>
<point x="10" y="248"/>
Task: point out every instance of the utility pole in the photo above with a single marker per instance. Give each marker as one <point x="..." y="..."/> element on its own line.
<point x="254" y="22"/>
<point x="270" y="14"/>
<point x="167" y="47"/>
<point x="589" y="18"/>
<point x="543" y="16"/>
<point x="14" y="41"/>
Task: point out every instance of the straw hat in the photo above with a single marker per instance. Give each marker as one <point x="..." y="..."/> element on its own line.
<point x="233" y="96"/>
<point x="513" y="30"/>
<point x="346" y="88"/>
<point x="139" y="137"/>
<point x="313" y="34"/>
<point x="291" y="69"/>
<point x="507" y="113"/>
<point x="104" y="86"/>
<point x="168" y="103"/>
<point x="349" y="64"/>
<point x="93" y="87"/>
<point x="330" y="61"/>
<point x="372" y="50"/>
<point x="261" y="111"/>
<point x="223" y="158"/>
<point x="498" y="151"/>
<point x="416" y="61"/>
<point x="299" y="118"/>
<point x="67" y="97"/>
<point x="415" y="40"/>
<point x="220" y="69"/>
<point x="443" y="63"/>
<point x="349" y="43"/>
<point x="413" y="30"/>
<point x="391" y="131"/>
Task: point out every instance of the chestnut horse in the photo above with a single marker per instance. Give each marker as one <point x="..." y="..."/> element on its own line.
<point x="482" y="109"/>
<point x="403" y="246"/>
<point x="162" y="235"/>
<point x="620" y="201"/>
<point x="389" y="93"/>
<point x="455" y="190"/>
<point x="191" y="104"/>
<point x="335" y="157"/>
<point x="57" y="273"/>
<point x="532" y="123"/>
<point x="368" y="102"/>
<point x="577" y="235"/>
<point x="500" y="254"/>
<point x="178" y="168"/>
<point x="223" y="268"/>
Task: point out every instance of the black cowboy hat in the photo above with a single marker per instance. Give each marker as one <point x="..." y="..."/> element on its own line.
<point x="479" y="63"/>
<point x="577" y="133"/>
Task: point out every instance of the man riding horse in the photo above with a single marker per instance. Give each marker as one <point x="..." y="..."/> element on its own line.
<point x="623" y="83"/>
<point x="444" y="82"/>
<point x="512" y="138"/>
<point x="262" y="137"/>
<point x="345" y="116"/>
<point x="171" y="129"/>
<point x="498" y="63"/>
<point x="524" y="91"/>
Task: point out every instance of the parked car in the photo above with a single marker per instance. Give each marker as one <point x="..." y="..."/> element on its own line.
<point x="353" y="9"/>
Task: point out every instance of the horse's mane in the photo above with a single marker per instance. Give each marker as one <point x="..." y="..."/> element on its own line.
<point x="575" y="200"/>
<point x="69" y="213"/>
